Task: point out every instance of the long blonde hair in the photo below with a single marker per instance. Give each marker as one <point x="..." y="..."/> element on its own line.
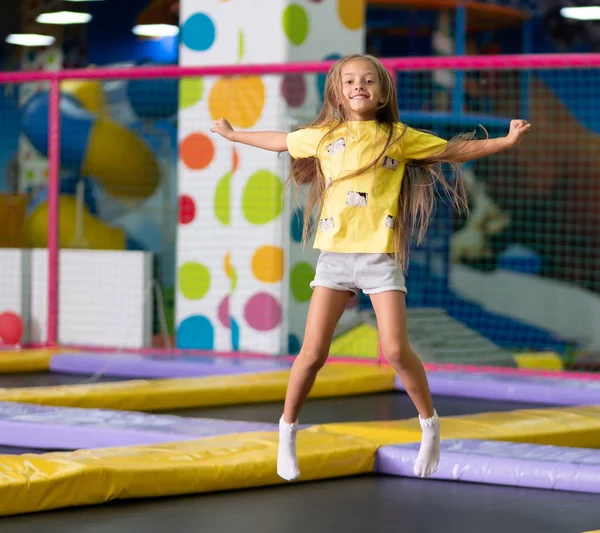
<point x="418" y="192"/>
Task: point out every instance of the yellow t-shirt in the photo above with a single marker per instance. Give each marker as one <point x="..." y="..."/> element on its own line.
<point x="359" y="214"/>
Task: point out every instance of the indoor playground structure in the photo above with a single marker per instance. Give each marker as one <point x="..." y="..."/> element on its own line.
<point x="93" y="411"/>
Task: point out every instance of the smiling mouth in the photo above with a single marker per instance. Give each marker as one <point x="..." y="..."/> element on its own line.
<point x="359" y="97"/>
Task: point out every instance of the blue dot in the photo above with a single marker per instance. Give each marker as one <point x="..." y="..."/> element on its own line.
<point x="197" y="333"/>
<point x="235" y="335"/>
<point x="322" y="77"/>
<point x="296" y="225"/>
<point x="198" y="32"/>
<point x="293" y="344"/>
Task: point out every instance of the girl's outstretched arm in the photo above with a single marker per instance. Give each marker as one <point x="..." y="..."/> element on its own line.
<point x="471" y="150"/>
<point x="276" y="141"/>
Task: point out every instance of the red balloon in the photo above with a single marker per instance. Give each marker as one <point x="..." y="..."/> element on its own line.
<point x="11" y="328"/>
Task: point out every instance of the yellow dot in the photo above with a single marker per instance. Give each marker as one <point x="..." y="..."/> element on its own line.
<point x="227" y="265"/>
<point x="267" y="264"/>
<point x="239" y="100"/>
<point x="230" y="271"/>
<point x="352" y="13"/>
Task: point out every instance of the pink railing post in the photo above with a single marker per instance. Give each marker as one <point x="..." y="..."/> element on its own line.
<point x="53" y="194"/>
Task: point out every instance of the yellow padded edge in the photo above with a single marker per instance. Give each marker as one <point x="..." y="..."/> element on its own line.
<point x="361" y="341"/>
<point x="568" y="426"/>
<point x="31" y="483"/>
<point x="335" y="379"/>
<point x="38" y="360"/>
<point x="539" y="360"/>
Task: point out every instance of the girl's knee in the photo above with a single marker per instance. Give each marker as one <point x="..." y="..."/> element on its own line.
<point x="397" y="355"/>
<point x="313" y="358"/>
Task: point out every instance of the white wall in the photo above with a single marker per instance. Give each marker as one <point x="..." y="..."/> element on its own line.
<point x="105" y="297"/>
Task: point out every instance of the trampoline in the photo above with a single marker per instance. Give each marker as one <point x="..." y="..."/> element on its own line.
<point x="388" y="501"/>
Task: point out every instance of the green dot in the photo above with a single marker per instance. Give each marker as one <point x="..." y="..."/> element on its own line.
<point x="295" y="23"/>
<point x="234" y="279"/>
<point x="261" y="201"/>
<point x="240" y="45"/>
<point x="222" y="200"/>
<point x="302" y="274"/>
<point x="194" y="280"/>
<point x="190" y="91"/>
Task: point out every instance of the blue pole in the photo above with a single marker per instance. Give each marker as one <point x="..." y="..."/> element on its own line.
<point x="526" y="74"/>
<point x="460" y="40"/>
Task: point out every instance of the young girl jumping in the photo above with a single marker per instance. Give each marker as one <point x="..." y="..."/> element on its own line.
<point x="373" y="183"/>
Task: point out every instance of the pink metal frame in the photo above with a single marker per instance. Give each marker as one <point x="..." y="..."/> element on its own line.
<point x="466" y="63"/>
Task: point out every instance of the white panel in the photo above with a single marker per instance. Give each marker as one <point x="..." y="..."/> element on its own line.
<point x="14" y="288"/>
<point x="105" y="298"/>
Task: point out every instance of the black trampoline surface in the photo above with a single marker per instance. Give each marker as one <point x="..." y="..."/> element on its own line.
<point x="353" y="505"/>
<point x="358" y="504"/>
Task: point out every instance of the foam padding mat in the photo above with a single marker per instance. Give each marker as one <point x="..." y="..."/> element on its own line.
<point x="21" y="361"/>
<point x="68" y="428"/>
<point x="335" y="379"/>
<point x="159" y="366"/>
<point x="502" y="463"/>
<point x="33" y="483"/>
<point x="543" y="389"/>
<point x="567" y="426"/>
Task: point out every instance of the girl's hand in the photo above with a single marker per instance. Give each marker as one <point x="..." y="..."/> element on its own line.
<point x="518" y="128"/>
<point x="223" y="128"/>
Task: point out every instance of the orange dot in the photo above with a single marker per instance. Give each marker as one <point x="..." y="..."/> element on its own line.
<point x="240" y="100"/>
<point x="197" y="151"/>
<point x="352" y="13"/>
<point x="267" y="264"/>
<point x="236" y="160"/>
<point x="227" y="265"/>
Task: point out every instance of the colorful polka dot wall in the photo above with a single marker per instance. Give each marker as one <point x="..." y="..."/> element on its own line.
<point x="243" y="276"/>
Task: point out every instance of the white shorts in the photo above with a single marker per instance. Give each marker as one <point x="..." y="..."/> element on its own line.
<point x="370" y="273"/>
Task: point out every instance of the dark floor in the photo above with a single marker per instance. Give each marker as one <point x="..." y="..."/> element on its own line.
<point x="360" y="504"/>
<point x="353" y="505"/>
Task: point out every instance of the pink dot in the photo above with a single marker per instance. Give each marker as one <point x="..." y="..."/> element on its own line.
<point x="293" y="89"/>
<point x="262" y="312"/>
<point x="223" y="312"/>
<point x="187" y="209"/>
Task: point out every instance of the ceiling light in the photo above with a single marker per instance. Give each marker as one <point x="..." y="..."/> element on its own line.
<point x="581" y="13"/>
<point x="30" y="39"/>
<point x="64" y="17"/>
<point x="156" y="30"/>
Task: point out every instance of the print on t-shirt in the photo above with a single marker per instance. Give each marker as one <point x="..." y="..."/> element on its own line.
<point x="336" y="146"/>
<point x="326" y="223"/>
<point x="357" y="199"/>
<point x="389" y="163"/>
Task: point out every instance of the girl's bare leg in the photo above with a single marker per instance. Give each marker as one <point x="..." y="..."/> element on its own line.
<point x="390" y="309"/>
<point x="325" y="311"/>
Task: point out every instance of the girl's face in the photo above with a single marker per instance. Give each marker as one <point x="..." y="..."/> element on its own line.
<point x="361" y="89"/>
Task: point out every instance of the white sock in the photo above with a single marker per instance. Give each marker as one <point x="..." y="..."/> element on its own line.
<point x="429" y="453"/>
<point x="287" y="461"/>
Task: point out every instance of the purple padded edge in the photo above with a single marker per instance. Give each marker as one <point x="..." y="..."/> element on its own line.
<point x="502" y="463"/>
<point x="490" y="386"/>
<point x="66" y="428"/>
<point x="147" y="366"/>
